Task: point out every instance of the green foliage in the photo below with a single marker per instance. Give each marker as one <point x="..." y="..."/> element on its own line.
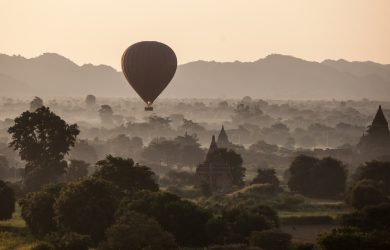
<point x="42" y="139"/>
<point x="323" y="178"/>
<point x="7" y="201"/>
<point x="270" y="240"/>
<point x="185" y="220"/>
<point x="123" y="174"/>
<point x="366" y="193"/>
<point x="136" y="231"/>
<point x="86" y="207"/>
<point x="37" y="210"/>
<point x="43" y="246"/>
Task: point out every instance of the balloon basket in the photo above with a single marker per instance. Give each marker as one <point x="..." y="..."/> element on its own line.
<point x="148" y="108"/>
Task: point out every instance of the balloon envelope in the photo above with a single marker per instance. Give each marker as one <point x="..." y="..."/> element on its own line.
<point x="149" y="66"/>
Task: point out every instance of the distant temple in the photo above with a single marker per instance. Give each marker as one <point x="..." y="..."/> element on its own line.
<point x="375" y="142"/>
<point x="214" y="171"/>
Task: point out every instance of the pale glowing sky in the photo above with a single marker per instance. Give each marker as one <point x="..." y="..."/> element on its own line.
<point x="97" y="31"/>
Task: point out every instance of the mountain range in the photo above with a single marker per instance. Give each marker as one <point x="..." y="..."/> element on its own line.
<point x="273" y="77"/>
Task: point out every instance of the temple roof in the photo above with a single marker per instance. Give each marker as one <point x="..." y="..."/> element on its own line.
<point x="379" y="119"/>
<point x="223" y="140"/>
<point x="213" y="147"/>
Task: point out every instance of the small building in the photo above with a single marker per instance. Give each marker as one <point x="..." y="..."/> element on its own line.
<point x="375" y="142"/>
<point x="214" y="171"/>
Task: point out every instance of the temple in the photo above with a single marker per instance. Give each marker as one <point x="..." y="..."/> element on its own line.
<point x="214" y="171"/>
<point x="375" y="142"/>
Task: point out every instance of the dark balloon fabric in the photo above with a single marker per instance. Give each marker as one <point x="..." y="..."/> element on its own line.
<point x="149" y="66"/>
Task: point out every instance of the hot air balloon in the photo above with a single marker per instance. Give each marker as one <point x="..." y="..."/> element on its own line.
<point x="149" y="66"/>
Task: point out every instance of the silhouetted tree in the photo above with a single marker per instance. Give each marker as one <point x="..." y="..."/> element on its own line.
<point x="42" y="139"/>
<point x="377" y="171"/>
<point x="318" y="178"/>
<point x="266" y="176"/>
<point x="138" y="231"/>
<point x="7" y="201"/>
<point x="86" y="207"/>
<point x="90" y="101"/>
<point x="365" y="193"/>
<point x="37" y="210"/>
<point x="185" y="220"/>
<point x="106" y="115"/>
<point x="35" y="104"/>
<point x="123" y="174"/>
<point x="234" y="162"/>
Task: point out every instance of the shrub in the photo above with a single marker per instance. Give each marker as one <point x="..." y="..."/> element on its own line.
<point x="139" y="232"/>
<point x="37" y="210"/>
<point x="86" y="207"/>
<point x="7" y="201"/>
<point x="270" y="240"/>
<point x="366" y="193"/>
<point x="343" y="238"/>
<point x="185" y="220"/>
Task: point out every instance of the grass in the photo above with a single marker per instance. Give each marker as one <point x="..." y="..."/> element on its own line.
<point x="14" y="234"/>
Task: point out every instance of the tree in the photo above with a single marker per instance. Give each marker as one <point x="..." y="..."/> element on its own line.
<point x="86" y="207"/>
<point x="106" y="115"/>
<point x="7" y="201"/>
<point x="76" y="170"/>
<point x="323" y="178"/>
<point x="35" y="104"/>
<point x="234" y="162"/>
<point x="328" y="178"/>
<point x="37" y="210"/>
<point x="185" y="220"/>
<point x="377" y="171"/>
<point x="125" y="175"/>
<point x="90" y="101"/>
<point x="266" y="176"/>
<point x="42" y="139"/>
<point x="136" y="231"/>
<point x="365" y="193"/>
<point x="300" y="174"/>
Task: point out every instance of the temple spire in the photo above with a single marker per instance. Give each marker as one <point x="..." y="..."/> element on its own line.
<point x="213" y="147"/>
<point x="223" y="140"/>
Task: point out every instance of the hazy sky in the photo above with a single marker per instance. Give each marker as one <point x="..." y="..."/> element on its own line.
<point x="98" y="31"/>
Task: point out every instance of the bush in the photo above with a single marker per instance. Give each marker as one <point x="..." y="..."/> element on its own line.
<point x="185" y="220"/>
<point x="7" y="201"/>
<point x="369" y="218"/>
<point x="37" y="210"/>
<point x="270" y="240"/>
<point x="349" y="238"/>
<point x="139" y="232"/>
<point x="376" y="171"/>
<point x="86" y="207"/>
<point x="366" y="193"/>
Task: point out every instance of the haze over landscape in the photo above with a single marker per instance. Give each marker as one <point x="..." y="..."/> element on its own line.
<point x="196" y="124"/>
<point x="273" y="77"/>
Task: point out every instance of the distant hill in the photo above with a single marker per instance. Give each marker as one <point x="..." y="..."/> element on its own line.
<point x="273" y="77"/>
